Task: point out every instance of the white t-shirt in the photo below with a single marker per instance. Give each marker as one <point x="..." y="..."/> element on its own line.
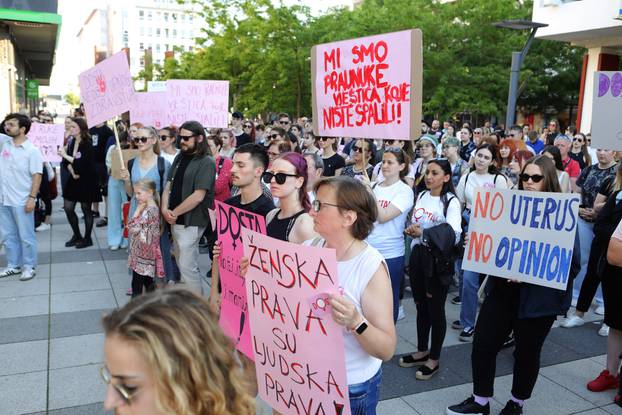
<point x="429" y="212"/>
<point x="169" y="157"/>
<point x="475" y="180"/>
<point x="354" y="275"/>
<point x="564" y="181"/>
<point x="388" y="237"/>
<point x="380" y="177"/>
<point x="617" y="233"/>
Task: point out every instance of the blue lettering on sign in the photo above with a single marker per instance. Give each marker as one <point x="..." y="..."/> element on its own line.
<point x="543" y="212"/>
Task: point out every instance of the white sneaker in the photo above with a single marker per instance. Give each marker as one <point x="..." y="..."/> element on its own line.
<point x="28" y="274"/>
<point x="401" y="315"/>
<point x="573" y="321"/>
<point x="600" y="310"/>
<point x="7" y="272"/>
<point x="604" y="330"/>
<point x="43" y="227"/>
<point x="114" y="247"/>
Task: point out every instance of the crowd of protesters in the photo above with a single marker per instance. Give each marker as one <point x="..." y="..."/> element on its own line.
<point x="389" y="208"/>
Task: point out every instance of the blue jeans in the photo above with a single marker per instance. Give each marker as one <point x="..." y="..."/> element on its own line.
<point x="116" y="198"/>
<point x="469" y="285"/>
<point x="364" y="396"/>
<point x="167" y="260"/>
<point x="20" y="242"/>
<point x="396" y="272"/>
<point x="586" y="235"/>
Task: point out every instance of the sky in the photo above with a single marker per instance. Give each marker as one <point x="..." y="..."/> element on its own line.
<point x="74" y="13"/>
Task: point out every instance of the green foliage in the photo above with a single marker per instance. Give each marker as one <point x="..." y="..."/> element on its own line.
<point x="72" y="99"/>
<point x="263" y="47"/>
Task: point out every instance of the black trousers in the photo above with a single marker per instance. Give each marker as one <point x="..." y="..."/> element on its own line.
<point x="140" y="281"/>
<point x="591" y="280"/>
<point x="431" y="318"/>
<point x="497" y="318"/>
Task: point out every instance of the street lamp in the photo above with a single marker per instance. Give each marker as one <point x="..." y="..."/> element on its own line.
<point x="517" y="61"/>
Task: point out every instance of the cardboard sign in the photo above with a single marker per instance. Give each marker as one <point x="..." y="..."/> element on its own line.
<point x="525" y="236"/>
<point x="107" y="89"/>
<point x="369" y="87"/>
<point x="48" y="138"/>
<point x="234" y="318"/>
<point x="150" y="108"/>
<point x="115" y="161"/>
<point x="202" y="101"/>
<point x="299" y="349"/>
<point x="606" y="110"/>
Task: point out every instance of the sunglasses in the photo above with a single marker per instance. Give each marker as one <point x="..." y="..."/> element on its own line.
<point x="248" y="126"/>
<point x="316" y="205"/>
<point x="273" y="136"/>
<point x="142" y="139"/>
<point x="324" y="138"/>
<point x="122" y="390"/>
<point x="164" y="137"/>
<point x="283" y="122"/>
<point x="577" y="139"/>
<point x="186" y="137"/>
<point x="477" y="132"/>
<point x="358" y="149"/>
<point x="280" y="178"/>
<point x="536" y="178"/>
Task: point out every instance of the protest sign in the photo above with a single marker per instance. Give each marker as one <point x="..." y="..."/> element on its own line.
<point x="299" y="349"/>
<point x="233" y="307"/>
<point x="48" y="138"/>
<point x="202" y="101"/>
<point x="156" y="86"/>
<point x="150" y="108"/>
<point x="606" y="110"/>
<point x="115" y="161"/>
<point x="525" y="236"/>
<point x="369" y="87"/>
<point x="107" y="89"/>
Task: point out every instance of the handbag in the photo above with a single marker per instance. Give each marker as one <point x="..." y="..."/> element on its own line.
<point x="126" y="212"/>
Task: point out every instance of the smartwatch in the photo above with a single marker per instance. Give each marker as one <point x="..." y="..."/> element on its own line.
<point x="362" y="326"/>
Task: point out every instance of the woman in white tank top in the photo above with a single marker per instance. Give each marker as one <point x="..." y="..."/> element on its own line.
<point x="344" y="212"/>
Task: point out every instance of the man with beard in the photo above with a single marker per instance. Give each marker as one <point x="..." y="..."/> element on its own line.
<point x="249" y="163"/>
<point x="187" y="196"/>
<point x="21" y="165"/>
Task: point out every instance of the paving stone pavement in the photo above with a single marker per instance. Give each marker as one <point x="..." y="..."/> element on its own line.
<point x="51" y="344"/>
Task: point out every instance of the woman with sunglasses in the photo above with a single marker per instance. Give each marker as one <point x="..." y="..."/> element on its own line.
<point x="578" y="151"/>
<point x="451" y="151"/>
<point x="332" y="160"/>
<point x="483" y="174"/>
<point x="431" y="264"/>
<point x="168" y="141"/>
<point x="344" y="213"/>
<point x="394" y="199"/>
<point x="526" y="309"/>
<point x="148" y="374"/>
<point x="361" y="155"/>
<point x="553" y="153"/>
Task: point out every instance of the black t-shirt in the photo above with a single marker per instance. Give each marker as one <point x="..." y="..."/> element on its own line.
<point x="333" y="163"/>
<point x="242" y="139"/>
<point x="100" y="136"/>
<point x="178" y="179"/>
<point x="579" y="159"/>
<point x="260" y="206"/>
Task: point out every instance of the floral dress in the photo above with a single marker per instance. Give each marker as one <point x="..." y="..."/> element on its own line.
<point x="145" y="256"/>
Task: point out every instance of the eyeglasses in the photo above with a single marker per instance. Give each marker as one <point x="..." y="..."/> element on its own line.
<point x="186" y="137"/>
<point x="273" y="154"/>
<point x="164" y="137"/>
<point x="316" y="205"/>
<point x="283" y="122"/>
<point x="124" y="392"/>
<point x="358" y="149"/>
<point x="280" y="178"/>
<point x="536" y="178"/>
<point x="446" y="146"/>
<point x="142" y="139"/>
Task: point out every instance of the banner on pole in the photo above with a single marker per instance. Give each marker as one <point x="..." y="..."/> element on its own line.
<point x="234" y="318"/>
<point x="107" y="89"/>
<point x="48" y="138"/>
<point x="202" y="101"/>
<point x="369" y="87"/>
<point x="606" y="110"/>
<point x="298" y="347"/>
<point x="524" y="236"/>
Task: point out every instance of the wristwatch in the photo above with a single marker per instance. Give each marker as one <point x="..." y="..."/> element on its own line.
<point x="361" y="327"/>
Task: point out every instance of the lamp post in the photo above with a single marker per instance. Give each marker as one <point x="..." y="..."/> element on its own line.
<point x="517" y="61"/>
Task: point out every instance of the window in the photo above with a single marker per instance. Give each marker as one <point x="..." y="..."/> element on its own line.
<point x="183" y="17"/>
<point x="150" y="31"/>
<point x="141" y="15"/>
<point x="166" y="33"/>
<point x="158" y="32"/>
<point x="149" y="15"/>
<point x="174" y="32"/>
<point x="190" y="48"/>
<point x="190" y="18"/>
<point x="158" y="47"/>
<point x="166" y="17"/>
<point x="168" y="47"/>
<point x="142" y="31"/>
<point x="174" y="16"/>
<point x="142" y="61"/>
<point x="141" y="46"/>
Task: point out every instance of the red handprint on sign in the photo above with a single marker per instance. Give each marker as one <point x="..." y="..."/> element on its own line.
<point x="101" y="83"/>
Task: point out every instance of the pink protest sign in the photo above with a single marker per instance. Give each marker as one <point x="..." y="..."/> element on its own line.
<point x="299" y="349"/>
<point x="150" y="108"/>
<point x="369" y="87"/>
<point x="48" y="138"/>
<point x="233" y="308"/>
<point x="107" y="89"/>
<point x="202" y="101"/>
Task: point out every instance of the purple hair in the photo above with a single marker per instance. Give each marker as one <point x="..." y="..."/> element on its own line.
<point x="300" y="164"/>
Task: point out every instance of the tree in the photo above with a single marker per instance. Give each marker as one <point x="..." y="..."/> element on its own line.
<point x="72" y="99"/>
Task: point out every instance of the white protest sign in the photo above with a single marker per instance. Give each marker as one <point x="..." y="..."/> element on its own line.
<point x="606" y="111"/>
<point x="48" y="138"/>
<point x="526" y="236"/>
<point x="196" y="100"/>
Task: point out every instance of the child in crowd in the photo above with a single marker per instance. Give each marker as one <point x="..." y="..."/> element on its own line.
<point x="145" y="257"/>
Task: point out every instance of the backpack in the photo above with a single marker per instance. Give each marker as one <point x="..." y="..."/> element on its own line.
<point x="161" y="167"/>
<point x="458" y="250"/>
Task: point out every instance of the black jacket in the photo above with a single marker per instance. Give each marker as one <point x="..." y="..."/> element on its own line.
<point x="439" y="241"/>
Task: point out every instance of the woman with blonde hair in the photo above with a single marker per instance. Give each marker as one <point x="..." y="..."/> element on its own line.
<point x="165" y="354"/>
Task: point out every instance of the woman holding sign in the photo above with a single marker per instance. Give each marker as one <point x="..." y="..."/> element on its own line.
<point x="527" y="309"/>
<point x="344" y="213"/>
